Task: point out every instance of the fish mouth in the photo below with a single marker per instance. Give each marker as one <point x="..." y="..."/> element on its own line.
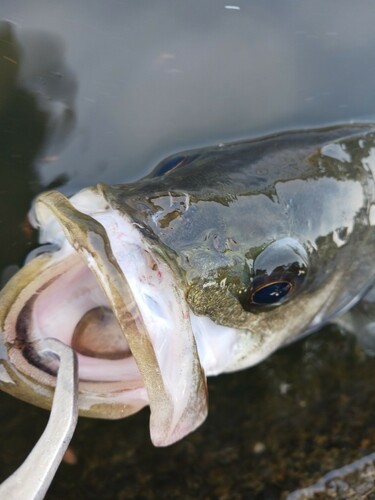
<point x="107" y="292"/>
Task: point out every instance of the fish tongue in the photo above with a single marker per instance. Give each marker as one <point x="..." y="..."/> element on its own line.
<point x="177" y="394"/>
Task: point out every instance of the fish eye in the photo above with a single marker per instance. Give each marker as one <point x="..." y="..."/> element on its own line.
<point x="271" y="293"/>
<point x="278" y="272"/>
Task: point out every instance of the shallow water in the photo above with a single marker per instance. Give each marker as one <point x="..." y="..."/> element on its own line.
<point x="100" y="91"/>
<point x="270" y="430"/>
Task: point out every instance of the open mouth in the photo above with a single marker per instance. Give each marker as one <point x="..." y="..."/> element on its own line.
<point x="116" y="302"/>
<point x="73" y="308"/>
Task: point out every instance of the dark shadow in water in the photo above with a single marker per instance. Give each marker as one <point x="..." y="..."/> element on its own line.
<point x="271" y="429"/>
<point x="32" y="113"/>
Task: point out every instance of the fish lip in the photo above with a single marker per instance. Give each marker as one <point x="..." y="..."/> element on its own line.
<point x="182" y="402"/>
<point x="22" y="339"/>
<point x="174" y="412"/>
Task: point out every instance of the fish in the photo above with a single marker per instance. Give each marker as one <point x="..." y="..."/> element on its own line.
<point x="209" y="264"/>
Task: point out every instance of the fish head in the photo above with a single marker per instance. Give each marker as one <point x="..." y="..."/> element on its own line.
<point x="275" y="237"/>
<point x="158" y="284"/>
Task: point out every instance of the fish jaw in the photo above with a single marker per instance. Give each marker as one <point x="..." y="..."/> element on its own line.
<point x="115" y="270"/>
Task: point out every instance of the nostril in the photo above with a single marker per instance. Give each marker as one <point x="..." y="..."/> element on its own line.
<point x="98" y="335"/>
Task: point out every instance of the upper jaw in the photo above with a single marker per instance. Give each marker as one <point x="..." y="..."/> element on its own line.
<point x="118" y="269"/>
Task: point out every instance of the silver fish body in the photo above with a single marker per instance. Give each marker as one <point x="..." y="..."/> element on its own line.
<point x="208" y="265"/>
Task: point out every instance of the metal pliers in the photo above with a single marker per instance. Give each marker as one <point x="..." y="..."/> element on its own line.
<point x="33" y="478"/>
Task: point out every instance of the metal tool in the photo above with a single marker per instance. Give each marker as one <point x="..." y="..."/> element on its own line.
<point x="33" y="478"/>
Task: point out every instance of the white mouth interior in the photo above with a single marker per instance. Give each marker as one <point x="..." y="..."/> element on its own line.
<point x="58" y="312"/>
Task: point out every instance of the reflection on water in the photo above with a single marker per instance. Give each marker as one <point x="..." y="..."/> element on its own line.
<point x="156" y="77"/>
<point x="32" y="114"/>
<point x="28" y="118"/>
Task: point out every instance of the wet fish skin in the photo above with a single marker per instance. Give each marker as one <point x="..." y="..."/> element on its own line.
<point x="218" y="210"/>
<point x="257" y="243"/>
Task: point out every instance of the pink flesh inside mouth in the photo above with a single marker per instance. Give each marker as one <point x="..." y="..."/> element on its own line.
<point x="77" y="311"/>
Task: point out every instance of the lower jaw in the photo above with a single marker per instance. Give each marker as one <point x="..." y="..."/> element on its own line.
<point x="109" y="388"/>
